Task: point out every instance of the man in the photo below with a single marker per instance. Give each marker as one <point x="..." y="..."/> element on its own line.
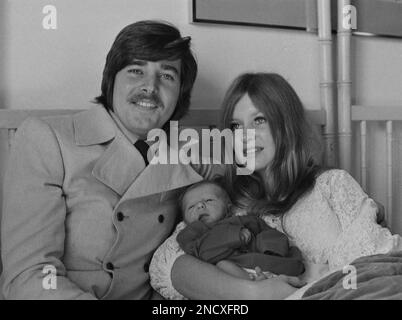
<point x="83" y="210"/>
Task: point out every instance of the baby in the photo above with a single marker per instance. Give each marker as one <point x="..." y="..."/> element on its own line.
<point x="243" y="246"/>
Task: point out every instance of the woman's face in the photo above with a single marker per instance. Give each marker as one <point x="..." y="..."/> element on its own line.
<point x="247" y="116"/>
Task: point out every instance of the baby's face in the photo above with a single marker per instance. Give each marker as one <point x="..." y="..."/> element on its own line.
<point x="206" y="203"/>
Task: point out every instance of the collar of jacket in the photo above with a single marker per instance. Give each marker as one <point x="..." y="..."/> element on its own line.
<point x="121" y="166"/>
<point x="93" y="126"/>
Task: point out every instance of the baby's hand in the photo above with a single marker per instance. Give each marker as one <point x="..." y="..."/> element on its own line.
<point x="259" y="275"/>
<point x="245" y="235"/>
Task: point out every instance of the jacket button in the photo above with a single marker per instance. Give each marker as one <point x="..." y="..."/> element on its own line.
<point x="161" y="218"/>
<point x="120" y="216"/>
<point x="146" y="267"/>
<point x="109" y="266"/>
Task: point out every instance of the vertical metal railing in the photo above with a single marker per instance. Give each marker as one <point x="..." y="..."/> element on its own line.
<point x="389" y="141"/>
<point x="344" y="89"/>
<point x="327" y="92"/>
<point x="363" y="155"/>
<point x="364" y="173"/>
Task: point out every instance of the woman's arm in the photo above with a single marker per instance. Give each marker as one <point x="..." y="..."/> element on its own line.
<point x="199" y="280"/>
<point x="360" y="234"/>
<point x="195" y="279"/>
<point x="33" y="222"/>
<point x="234" y="269"/>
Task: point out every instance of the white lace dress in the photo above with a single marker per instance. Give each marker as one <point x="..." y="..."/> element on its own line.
<point x="332" y="225"/>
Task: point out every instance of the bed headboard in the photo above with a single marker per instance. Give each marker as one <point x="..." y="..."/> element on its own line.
<point x="211" y="117"/>
<point x="11" y="119"/>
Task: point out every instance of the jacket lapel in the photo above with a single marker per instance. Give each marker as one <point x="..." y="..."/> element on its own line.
<point x="161" y="177"/>
<point x="119" y="165"/>
<point x="158" y="178"/>
<point x="93" y="126"/>
<point x="121" y="162"/>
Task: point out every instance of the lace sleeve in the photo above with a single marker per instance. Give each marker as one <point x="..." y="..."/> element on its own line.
<point x="360" y="234"/>
<point x="345" y="196"/>
<point x="161" y="266"/>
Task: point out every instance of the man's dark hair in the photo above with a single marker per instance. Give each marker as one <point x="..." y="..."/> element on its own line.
<point x="151" y="41"/>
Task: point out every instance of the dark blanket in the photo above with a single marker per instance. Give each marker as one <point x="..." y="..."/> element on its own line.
<point x="377" y="277"/>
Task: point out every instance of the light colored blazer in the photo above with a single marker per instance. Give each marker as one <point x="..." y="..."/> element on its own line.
<point x="78" y="197"/>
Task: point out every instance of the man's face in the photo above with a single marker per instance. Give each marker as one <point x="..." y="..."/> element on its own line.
<point x="145" y="94"/>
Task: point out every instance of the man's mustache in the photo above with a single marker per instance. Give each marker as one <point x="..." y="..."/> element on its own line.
<point x="152" y="98"/>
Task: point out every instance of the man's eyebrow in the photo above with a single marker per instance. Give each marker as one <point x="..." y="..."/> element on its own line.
<point x="138" y="62"/>
<point x="170" y="67"/>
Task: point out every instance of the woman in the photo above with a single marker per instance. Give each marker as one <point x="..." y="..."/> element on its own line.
<point x="325" y="213"/>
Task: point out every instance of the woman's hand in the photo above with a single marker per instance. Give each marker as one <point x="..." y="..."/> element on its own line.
<point x="258" y="276"/>
<point x="293" y="281"/>
<point x="214" y="283"/>
<point x="277" y="288"/>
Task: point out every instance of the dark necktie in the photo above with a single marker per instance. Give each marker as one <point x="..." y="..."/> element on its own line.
<point x="142" y="147"/>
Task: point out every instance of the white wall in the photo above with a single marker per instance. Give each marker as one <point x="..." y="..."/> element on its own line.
<point x="62" y="68"/>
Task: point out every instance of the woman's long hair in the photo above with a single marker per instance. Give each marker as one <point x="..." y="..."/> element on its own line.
<point x="293" y="169"/>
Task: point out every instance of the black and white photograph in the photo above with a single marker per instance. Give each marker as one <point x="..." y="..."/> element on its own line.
<point x="201" y="150"/>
